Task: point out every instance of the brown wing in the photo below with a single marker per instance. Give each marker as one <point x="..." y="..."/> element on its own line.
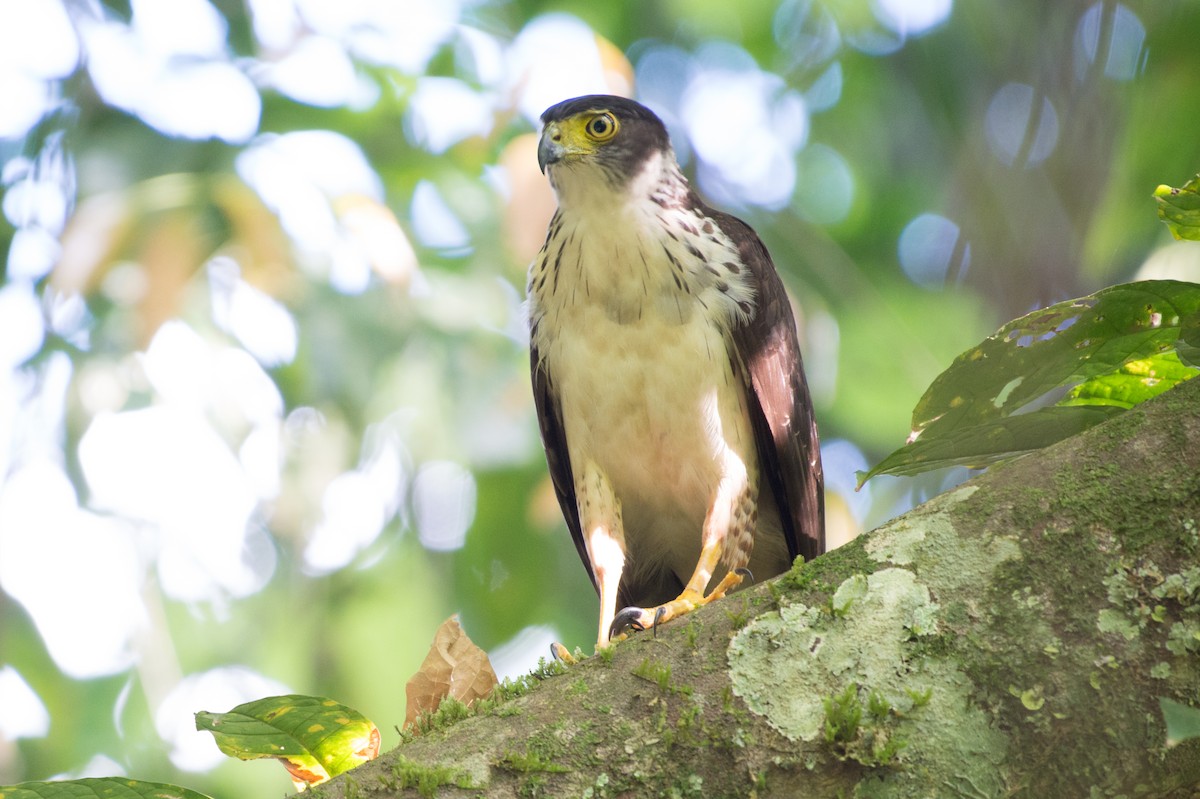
<point x="554" y="440"/>
<point x="785" y="430"/>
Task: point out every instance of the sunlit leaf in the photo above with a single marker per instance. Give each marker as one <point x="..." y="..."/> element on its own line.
<point x="1106" y="352"/>
<point x="313" y="737"/>
<point x="97" y="788"/>
<point x="1136" y="381"/>
<point x="1182" y="722"/>
<point x="1180" y="208"/>
<point x="455" y="667"/>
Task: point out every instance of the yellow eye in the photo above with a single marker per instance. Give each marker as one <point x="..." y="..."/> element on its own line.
<point x="602" y="127"/>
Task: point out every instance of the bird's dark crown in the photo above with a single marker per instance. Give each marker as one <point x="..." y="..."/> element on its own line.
<point x="624" y="109"/>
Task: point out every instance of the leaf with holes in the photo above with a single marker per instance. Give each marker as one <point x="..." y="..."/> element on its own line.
<point x="97" y="788"/>
<point x="1053" y="373"/>
<point x="313" y="737"/>
<point x="1180" y="208"/>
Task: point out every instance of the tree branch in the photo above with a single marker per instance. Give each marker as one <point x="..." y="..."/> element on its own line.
<point x="1009" y="638"/>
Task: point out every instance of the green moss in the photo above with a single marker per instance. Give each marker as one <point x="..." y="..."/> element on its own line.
<point x="739" y="617"/>
<point x="692" y="632"/>
<point x="528" y="761"/>
<point x="919" y="698"/>
<point x="864" y="735"/>
<point x="449" y="711"/>
<point x="823" y="575"/>
<point x="660" y="675"/>
<point x="843" y="713"/>
<point x="655" y="672"/>
<point x="533" y="787"/>
<point x="777" y="593"/>
<point x="427" y="779"/>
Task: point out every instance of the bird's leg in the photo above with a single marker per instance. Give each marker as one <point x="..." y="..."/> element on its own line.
<point x="728" y="536"/>
<point x="604" y="538"/>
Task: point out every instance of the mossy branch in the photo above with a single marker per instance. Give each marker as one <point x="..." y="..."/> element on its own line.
<point x="1010" y="638"/>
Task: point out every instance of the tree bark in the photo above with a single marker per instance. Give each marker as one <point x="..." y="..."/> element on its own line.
<point x="1009" y="638"/>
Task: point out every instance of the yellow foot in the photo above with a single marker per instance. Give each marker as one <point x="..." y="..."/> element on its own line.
<point x="689" y="600"/>
<point x="568" y="658"/>
<point x="561" y="654"/>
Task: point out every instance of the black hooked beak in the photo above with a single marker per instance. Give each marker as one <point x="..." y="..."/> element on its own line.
<point x="549" y="149"/>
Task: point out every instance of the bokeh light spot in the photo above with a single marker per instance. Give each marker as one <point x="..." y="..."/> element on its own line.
<point x="443" y="505"/>
<point x="807" y="33"/>
<point x="260" y="323"/>
<point x="929" y="250"/>
<point x="520" y="654"/>
<point x="22" y="713"/>
<point x="436" y="225"/>
<point x="445" y="111"/>
<point x="22" y="327"/>
<point x="88" y="610"/>
<point x="1125" y="54"/>
<point x="316" y="71"/>
<point x="825" y="186"/>
<point x="1022" y="125"/>
<point x="912" y="17"/>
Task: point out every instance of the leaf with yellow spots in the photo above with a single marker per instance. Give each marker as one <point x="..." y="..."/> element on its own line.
<point x="313" y="737"/>
<point x="455" y="667"/>
<point x="97" y="788"/>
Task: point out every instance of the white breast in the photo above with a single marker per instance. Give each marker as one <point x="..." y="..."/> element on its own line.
<point x="643" y="371"/>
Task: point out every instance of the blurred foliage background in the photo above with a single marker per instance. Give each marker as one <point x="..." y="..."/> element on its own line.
<point x="264" y="407"/>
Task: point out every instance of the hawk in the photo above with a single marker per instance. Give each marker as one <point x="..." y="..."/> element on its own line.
<point x="667" y="377"/>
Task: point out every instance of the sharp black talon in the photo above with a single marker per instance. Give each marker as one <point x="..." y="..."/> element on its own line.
<point x="628" y="617"/>
<point x="745" y="573"/>
<point x="658" y="614"/>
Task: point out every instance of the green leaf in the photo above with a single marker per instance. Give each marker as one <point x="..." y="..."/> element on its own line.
<point x="988" y="442"/>
<point x="97" y="788"/>
<point x="1180" y="208"/>
<point x="1112" y="350"/>
<point x="1135" y="382"/>
<point x="1182" y="722"/>
<point x="313" y="737"/>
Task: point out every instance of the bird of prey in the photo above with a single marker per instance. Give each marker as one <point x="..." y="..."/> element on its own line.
<point x="667" y="377"/>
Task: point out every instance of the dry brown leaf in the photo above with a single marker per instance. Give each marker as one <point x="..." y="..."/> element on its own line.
<point x="454" y="667"/>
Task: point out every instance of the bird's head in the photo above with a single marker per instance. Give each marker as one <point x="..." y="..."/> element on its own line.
<point x="600" y="142"/>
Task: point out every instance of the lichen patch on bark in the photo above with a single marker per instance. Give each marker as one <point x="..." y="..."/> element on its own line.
<point x="784" y="665"/>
